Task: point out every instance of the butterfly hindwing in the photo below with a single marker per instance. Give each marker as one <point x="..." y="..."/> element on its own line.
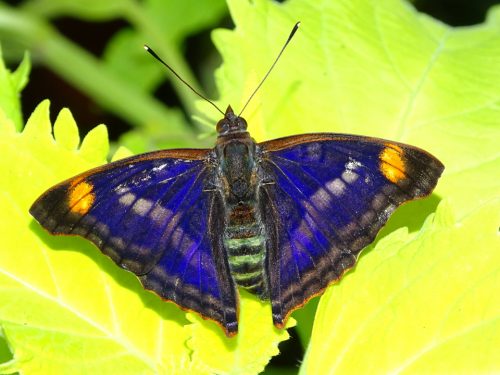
<point x="153" y="215"/>
<point x="324" y="198"/>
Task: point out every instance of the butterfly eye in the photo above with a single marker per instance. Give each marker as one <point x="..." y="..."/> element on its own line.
<point x="223" y="126"/>
<point x="241" y="123"/>
<point x="231" y="125"/>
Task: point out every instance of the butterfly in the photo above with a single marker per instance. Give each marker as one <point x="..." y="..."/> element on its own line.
<point x="283" y="218"/>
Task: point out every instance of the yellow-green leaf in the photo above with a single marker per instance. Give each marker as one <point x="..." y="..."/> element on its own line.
<point x="12" y="84"/>
<point x="67" y="308"/>
<point x="417" y="304"/>
<point x="376" y="68"/>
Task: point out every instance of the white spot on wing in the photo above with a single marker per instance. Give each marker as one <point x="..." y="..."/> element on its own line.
<point x="117" y="243"/>
<point x="352" y="165"/>
<point x="321" y="199"/>
<point x="349" y="176"/>
<point x="367" y="218"/>
<point x="102" y="229"/>
<point x="379" y="201"/>
<point x="122" y="189"/>
<point x="346" y="231"/>
<point x="142" y="206"/>
<point x="159" y="214"/>
<point x="127" y="199"/>
<point x="336" y="187"/>
<point x="159" y="167"/>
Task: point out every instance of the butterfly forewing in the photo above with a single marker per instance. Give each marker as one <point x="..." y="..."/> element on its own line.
<point x="326" y="198"/>
<point x="153" y="215"/>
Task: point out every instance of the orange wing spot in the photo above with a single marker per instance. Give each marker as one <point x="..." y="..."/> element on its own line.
<point x="81" y="197"/>
<point x="392" y="164"/>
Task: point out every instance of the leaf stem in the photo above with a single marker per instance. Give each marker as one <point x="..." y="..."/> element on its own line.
<point x="86" y="72"/>
<point x="165" y="47"/>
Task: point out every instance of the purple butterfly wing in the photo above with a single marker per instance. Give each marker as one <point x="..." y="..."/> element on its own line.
<point x="154" y="215"/>
<point x="324" y="198"/>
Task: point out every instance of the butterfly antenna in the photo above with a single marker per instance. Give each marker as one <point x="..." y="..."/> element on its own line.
<point x="292" y="33"/>
<point x="153" y="53"/>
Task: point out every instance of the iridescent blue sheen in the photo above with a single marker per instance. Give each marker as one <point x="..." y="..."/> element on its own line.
<point x="283" y="218"/>
<point x="151" y="216"/>
<point x="328" y="200"/>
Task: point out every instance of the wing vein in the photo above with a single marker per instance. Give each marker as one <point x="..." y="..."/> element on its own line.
<point x="319" y="185"/>
<point x="312" y="205"/>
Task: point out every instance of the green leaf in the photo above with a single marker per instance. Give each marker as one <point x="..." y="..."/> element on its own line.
<point x="124" y="58"/>
<point x="169" y="23"/>
<point x="12" y="85"/>
<point x="179" y="19"/>
<point x="248" y="353"/>
<point x="373" y="68"/>
<point x="66" y="308"/>
<point x="417" y="304"/>
<point x="29" y="27"/>
<point x="379" y="69"/>
<point x="5" y="352"/>
<point x="96" y="10"/>
<point x="164" y="25"/>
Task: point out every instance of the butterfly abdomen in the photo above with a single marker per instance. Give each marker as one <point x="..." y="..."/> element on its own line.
<point x="245" y="243"/>
<point x="244" y="236"/>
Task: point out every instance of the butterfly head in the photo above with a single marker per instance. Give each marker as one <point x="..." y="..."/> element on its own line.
<point x="231" y="124"/>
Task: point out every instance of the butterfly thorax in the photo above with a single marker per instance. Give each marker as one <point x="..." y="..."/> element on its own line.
<point x="244" y="235"/>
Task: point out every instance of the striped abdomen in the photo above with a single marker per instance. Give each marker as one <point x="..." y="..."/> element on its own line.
<point x="245" y="243"/>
